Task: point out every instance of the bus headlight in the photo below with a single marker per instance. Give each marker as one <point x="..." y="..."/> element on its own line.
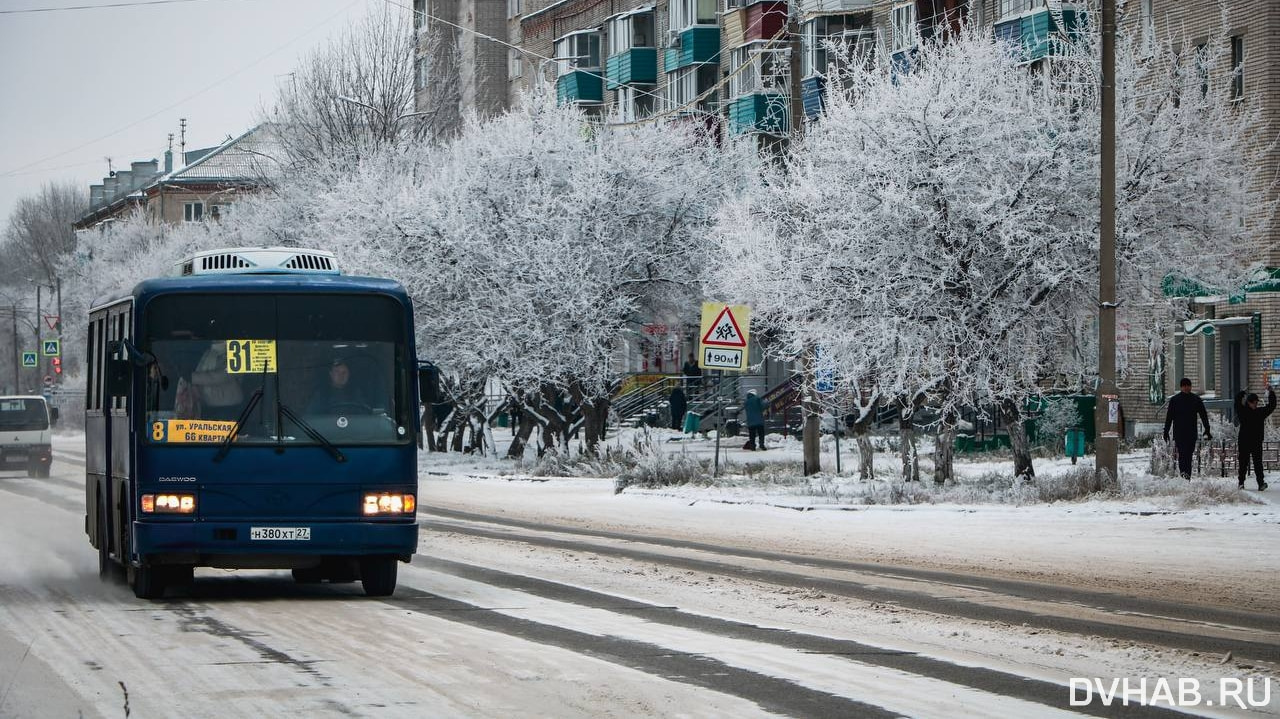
<point x="168" y="503"/>
<point x="387" y="503"/>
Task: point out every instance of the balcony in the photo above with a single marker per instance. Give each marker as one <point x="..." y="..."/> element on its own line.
<point x="695" y="45"/>
<point x="1034" y="30"/>
<point x="764" y="20"/>
<point x="765" y="113"/>
<point x="579" y="87"/>
<point x="637" y="66"/>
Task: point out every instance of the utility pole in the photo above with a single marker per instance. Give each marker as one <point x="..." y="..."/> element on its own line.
<point x="1107" y="408"/>
<point x="17" y="348"/>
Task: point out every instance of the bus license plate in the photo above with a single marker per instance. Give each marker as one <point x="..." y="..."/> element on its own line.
<point x="280" y="533"/>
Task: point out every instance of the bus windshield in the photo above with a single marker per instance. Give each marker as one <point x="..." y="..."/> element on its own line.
<point x="21" y="414"/>
<point x="335" y="362"/>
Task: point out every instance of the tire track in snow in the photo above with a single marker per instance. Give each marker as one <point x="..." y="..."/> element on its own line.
<point x="1116" y="616"/>
<point x="1015" y="687"/>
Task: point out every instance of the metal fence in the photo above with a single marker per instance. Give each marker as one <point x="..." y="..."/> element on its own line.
<point x="1224" y="454"/>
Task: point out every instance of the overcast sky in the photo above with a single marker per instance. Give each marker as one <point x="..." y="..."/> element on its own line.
<point x="77" y="86"/>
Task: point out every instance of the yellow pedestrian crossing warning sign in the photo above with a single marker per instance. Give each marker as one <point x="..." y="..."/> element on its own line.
<point x="725" y="332"/>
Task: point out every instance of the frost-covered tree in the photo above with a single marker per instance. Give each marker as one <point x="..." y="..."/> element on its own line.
<point x="533" y="243"/>
<point x="39" y="233"/>
<point x="916" y="229"/>
<point x="936" y="229"/>
<point x="110" y="259"/>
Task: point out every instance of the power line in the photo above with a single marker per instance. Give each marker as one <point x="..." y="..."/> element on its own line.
<point x="100" y="7"/>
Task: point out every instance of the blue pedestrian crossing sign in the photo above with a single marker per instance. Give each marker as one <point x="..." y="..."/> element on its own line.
<point x="28" y="359"/>
<point x="52" y="348"/>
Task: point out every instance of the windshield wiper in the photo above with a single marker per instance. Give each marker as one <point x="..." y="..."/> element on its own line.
<point x="311" y="432"/>
<point x="244" y="414"/>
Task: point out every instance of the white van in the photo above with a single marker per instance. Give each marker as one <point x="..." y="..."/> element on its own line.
<point x="25" y="436"/>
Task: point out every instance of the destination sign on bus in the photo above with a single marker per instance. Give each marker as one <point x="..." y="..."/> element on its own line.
<point x="246" y="356"/>
<point x="191" y="431"/>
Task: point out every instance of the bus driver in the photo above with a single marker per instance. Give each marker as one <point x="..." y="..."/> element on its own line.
<point x="340" y="395"/>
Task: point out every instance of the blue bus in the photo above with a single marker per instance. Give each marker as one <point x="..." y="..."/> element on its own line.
<point x="257" y="411"/>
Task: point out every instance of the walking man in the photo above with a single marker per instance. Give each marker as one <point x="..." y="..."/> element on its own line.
<point x="1184" y="407"/>
<point x="1253" y="420"/>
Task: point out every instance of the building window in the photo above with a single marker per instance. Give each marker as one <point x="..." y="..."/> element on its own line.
<point x="764" y="69"/>
<point x="687" y="13"/>
<point x="688" y="84"/>
<point x="578" y="51"/>
<point x="1202" y="69"/>
<point x="192" y="211"/>
<point x="515" y="64"/>
<point x="220" y="211"/>
<point x="1148" y="27"/>
<point x="835" y="38"/>
<point x="904" y="26"/>
<point x="629" y="31"/>
<point x="423" y="69"/>
<point x="513" y="8"/>
<point x="419" y="15"/>
<point x="1017" y="7"/>
<point x="1237" y="67"/>
<point x="633" y="103"/>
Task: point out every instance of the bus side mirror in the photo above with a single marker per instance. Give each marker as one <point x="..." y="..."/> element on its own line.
<point x="429" y="384"/>
<point x="53" y="415"/>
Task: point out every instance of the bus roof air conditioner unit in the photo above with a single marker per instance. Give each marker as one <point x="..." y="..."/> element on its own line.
<point x="260" y="260"/>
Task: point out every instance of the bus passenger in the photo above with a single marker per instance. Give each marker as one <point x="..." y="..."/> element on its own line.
<point x="217" y="390"/>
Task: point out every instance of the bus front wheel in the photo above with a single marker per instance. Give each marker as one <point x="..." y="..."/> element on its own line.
<point x="378" y="576"/>
<point x="148" y="582"/>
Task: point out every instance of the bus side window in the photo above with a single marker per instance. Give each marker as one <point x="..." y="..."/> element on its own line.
<point x="91" y="365"/>
<point x="117" y="374"/>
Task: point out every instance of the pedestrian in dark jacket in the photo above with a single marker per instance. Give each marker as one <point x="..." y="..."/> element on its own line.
<point x="678" y="407"/>
<point x="755" y="421"/>
<point x="692" y="373"/>
<point x="1253" y="420"/>
<point x="1184" y="408"/>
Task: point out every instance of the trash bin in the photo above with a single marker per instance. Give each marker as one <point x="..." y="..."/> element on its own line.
<point x="502" y="420"/>
<point x="692" y="421"/>
<point x="1074" y="443"/>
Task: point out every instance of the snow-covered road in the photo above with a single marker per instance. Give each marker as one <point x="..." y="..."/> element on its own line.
<point x="560" y="599"/>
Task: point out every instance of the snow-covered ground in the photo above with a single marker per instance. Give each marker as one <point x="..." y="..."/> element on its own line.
<point x="1136" y="546"/>
<point x="1194" y="542"/>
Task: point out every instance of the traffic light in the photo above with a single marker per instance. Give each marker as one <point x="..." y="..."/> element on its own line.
<point x="57" y="365"/>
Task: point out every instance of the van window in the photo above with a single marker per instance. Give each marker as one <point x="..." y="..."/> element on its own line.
<point x="23" y="414"/>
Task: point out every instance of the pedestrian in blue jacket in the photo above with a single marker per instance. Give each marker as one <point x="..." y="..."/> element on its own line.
<point x="755" y="421"/>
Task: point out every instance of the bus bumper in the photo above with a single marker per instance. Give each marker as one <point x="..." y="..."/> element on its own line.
<point x="219" y="543"/>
